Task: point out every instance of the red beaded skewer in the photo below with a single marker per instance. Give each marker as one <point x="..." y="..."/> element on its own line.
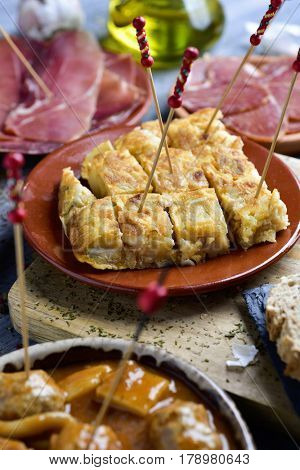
<point x="149" y="302"/>
<point x="255" y="40"/>
<point x="296" y="69"/>
<point x="174" y="101"/>
<point x="13" y="163"/>
<point x="147" y="61"/>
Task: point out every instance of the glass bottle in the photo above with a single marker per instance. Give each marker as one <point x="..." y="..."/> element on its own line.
<point x="172" y="25"/>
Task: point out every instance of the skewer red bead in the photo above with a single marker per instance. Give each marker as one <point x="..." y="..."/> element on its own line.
<point x="255" y="40"/>
<point x="13" y="161"/>
<point x="151" y="299"/>
<point x="296" y="64"/>
<point x="190" y="55"/>
<point x="139" y="23"/>
<point x="17" y="215"/>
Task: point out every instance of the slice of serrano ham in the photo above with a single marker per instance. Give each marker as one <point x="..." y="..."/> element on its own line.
<point x="241" y="98"/>
<point x="293" y="127"/>
<point x="280" y="90"/>
<point x="10" y="80"/>
<point x="16" y="144"/>
<point x="119" y="96"/>
<point x="198" y="73"/>
<point x="73" y="71"/>
<point x="259" y="124"/>
<point x="222" y="69"/>
<point x="277" y="70"/>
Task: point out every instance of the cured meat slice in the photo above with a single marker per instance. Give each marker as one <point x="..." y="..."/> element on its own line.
<point x="293" y="127"/>
<point x="10" y="80"/>
<point x="73" y="67"/>
<point x="222" y="69"/>
<point x="117" y="100"/>
<point x="259" y="124"/>
<point x="242" y="98"/>
<point x="279" y="69"/>
<point x="11" y="143"/>
<point x="119" y="96"/>
<point x="280" y="91"/>
<point x="198" y="73"/>
<point x="123" y="65"/>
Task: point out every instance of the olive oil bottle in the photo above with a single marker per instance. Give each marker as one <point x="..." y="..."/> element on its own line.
<point x="172" y="25"/>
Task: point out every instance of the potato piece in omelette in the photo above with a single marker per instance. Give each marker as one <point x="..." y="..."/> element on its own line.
<point x="111" y="171"/>
<point x="252" y="220"/>
<point x="72" y="196"/>
<point x="199" y="226"/>
<point x="188" y="133"/>
<point x="234" y="178"/>
<point x="139" y="142"/>
<point x="95" y="236"/>
<point x="187" y="172"/>
<point x="147" y="235"/>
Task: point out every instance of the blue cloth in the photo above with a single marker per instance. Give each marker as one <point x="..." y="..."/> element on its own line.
<point x="256" y="300"/>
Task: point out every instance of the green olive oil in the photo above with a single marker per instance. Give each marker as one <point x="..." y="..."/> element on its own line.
<point x="172" y="25"/>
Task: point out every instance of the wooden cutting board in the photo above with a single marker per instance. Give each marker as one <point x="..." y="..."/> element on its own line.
<point x="198" y="329"/>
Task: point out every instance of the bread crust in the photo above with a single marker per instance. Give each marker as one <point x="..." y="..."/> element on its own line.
<point x="283" y="322"/>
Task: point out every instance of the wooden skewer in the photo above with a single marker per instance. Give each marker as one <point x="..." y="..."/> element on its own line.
<point x="255" y="40"/>
<point x="174" y="101"/>
<point x="147" y="61"/>
<point x="228" y="89"/>
<point x="155" y="161"/>
<point x="161" y="124"/>
<point x="119" y="372"/>
<point x="273" y="146"/>
<point x="25" y="62"/>
<point x="18" y="238"/>
<point x="13" y="163"/>
<point x="149" y="301"/>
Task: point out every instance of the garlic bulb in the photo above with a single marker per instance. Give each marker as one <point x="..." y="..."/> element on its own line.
<point x="40" y="19"/>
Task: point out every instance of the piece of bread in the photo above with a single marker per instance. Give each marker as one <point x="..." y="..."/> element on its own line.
<point x="283" y="322"/>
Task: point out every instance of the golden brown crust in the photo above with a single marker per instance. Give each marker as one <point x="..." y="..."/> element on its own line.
<point x="95" y="236"/>
<point x="72" y="196"/>
<point x="199" y="226"/>
<point x="147" y="235"/>
<point x="187" y="174"/>
<point x="110" y="172"/>
<point x="188" y="133"/>
<point x="139" y="142"/>
<point x="146" y="240"/>
<point x="234" y="178"/>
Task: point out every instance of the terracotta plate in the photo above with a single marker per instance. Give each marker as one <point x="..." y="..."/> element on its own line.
<point x="44" y="231"/>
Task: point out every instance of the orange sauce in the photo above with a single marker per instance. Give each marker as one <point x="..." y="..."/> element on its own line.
<point x="131" y="429"/>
